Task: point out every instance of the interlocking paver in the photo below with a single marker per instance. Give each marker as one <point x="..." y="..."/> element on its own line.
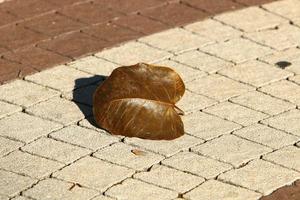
<point x="255" y="73"/>
<point x="164" y="147"/>
<point x="262" y="102"/>
<point x="7" y="108"/>
<point x="25" y="93"/>
<point x="288" y="121"/>
<point x="170" y="178"/>
<point x="132" y="53"/>
<point x="266" y="177"/>
<point x="201" y="61"/>
<point x="56" y="189"/>
<point x="197" y="164"/>
<point x="213" y="189"/>
<point x="21" y="198"/>
<point x="82" y="95"/>
<point x="207" y="126"/>
<point x="237" y="50"/>
<point x="295" y="79"/>
<point x="102" y="198"/>
<point x="176" y="40"/>
<point x="241" y="115"/>
<point x="91" y="124"/>
<point x="239" y="152"/>
<point x="95" y="174"/>
<point x="11" y="183"/>
<point x="128" y="159"/>
<point x="135" y="190"/>
<point x="288" y="8"/>
<point x="25" y="127"/>
<point x="267" y="136"/>
<point x="7" y="146"/>
<point x="25" y="163"/>
<point x="251" y="19"/>
<point x="83" y="137"/>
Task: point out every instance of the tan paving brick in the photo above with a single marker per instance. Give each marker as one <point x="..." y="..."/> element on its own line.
<point x="266" y="177"/>
<point x="241" y="115"/>
<point x="7" y="146"/>
<point x="4" y="197"/>
<point x="207" y="126"/>
<point x="21" y="198"/>
<point x="56" y="189"/>
<point x="94" y="173"/>
<point x="11" y="184"/>
<point x="60" y="110"/>
<point x="7" y="109"/>
<point x="170" y="178"/>
<point x="267" y="136"/>
<point x="288" y="8"/>
<point x="91" y="124"/>
<point x="135" y="190"/>
<point x="83" y="137"/>
<point x="25" y="163"/>
<point x="296" y="79"/>
<point x="62" y="78"/>
<point x="197" y="164"/>
<point x="213" y="30"/>
<point x="232" y="149"/>
<point x="288" y="121"/>
<point x="25" y="127"/>
<point x="213" y="189"/>
<point x="132" y="53"/>
<point x="251" y="19"/>
<point x="165" y="147"/>
<point x="102" y="198"/>
<point x="218" y="87"/>
<point x="82" y="95"/>
<point x="55" y="150"/>
<point x="262" y="102"/>
<point x="128" y="158"/>
<point x="176" y="40"/>
<point x="255" y="73"/>
<point x="237" y="50"/>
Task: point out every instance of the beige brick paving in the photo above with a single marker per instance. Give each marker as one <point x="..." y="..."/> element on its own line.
<point x="21" y="198"/>
<point x="94" y="173"/>
<point x="266" y="177"/>
<point x="25" y="163"/>
<point x="82" y="95"/>
<point x="288" y="8"/>
<point x="212" y="190"/>
<point x="7" y="109"/>
<point x="7" y="146"/>
<point x="4" y="197"/>
<point x="239" y="151"/>
<point x="135" y="190"/>
<point x="102" y="198"/>
<point x="295" y="79"/>
<point x="197" y="164"/>
<point x="56" y="189"/>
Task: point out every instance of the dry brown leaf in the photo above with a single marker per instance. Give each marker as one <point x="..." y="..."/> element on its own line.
<point x="138" y="152"/>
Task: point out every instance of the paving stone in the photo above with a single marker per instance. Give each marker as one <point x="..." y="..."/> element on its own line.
<point x="7" y="18"/>
<point x="176" y="40"/>
<point x="267" y="136"/>
<point x="218" y="87"/>
<point x="25" y="163"/>
<point x="237" y="50"/>
<point x="60" y="110"/>
<point x="288" y="121"/>
<point x="7" y="146"/>
<point x="102" y="198"/>
<point x="165" y="147"/>
<point x="251" y="19"/>
<point x="213" y="189"/>
<point x="128" y="158"/>
<point x="82" y="95"/>
<point x="25" y="127"/>
<point x="232" y="149"/>
<point x="135" y="190"/>
<point x="283" y="37"/>
<point x="63" y="78"/>
<point x="4" y="197"/>
<point x="91" y="124"/>
<point x="93" y="173"/>
<point x="132" y="53"/>
<point x="84" y="137"/>
<point x="201" y="61"/>
<point x="170" y="178"/>
<point x="255" y="73"/>
<point x="197" y="164"/>
<point x="20" y="198"/>
<point x="288" y="9"/>
<point x="286" y="90"/>
<point x="8" y="109"/>
<point x="266" y="177"/>
<point x="213" y="126"/>
<point x="55" y="150"/>
<point x="11" y="184"/>
<point x="25" y="93"/>
<point x="241" y="115"/>
<point x="213" y="30"/>
<point x="295" y="79"/>
<point x="262" y="102"/>
<point x="185" y="72"/>
<point x="56" y="189"/>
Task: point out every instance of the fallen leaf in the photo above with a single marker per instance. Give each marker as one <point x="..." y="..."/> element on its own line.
<point x="138" y="152"/>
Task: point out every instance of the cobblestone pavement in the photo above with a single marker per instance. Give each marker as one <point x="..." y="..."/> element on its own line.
<point x="242" y="122"/>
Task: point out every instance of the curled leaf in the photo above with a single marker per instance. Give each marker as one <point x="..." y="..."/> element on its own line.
<point x="139" y="101"/>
